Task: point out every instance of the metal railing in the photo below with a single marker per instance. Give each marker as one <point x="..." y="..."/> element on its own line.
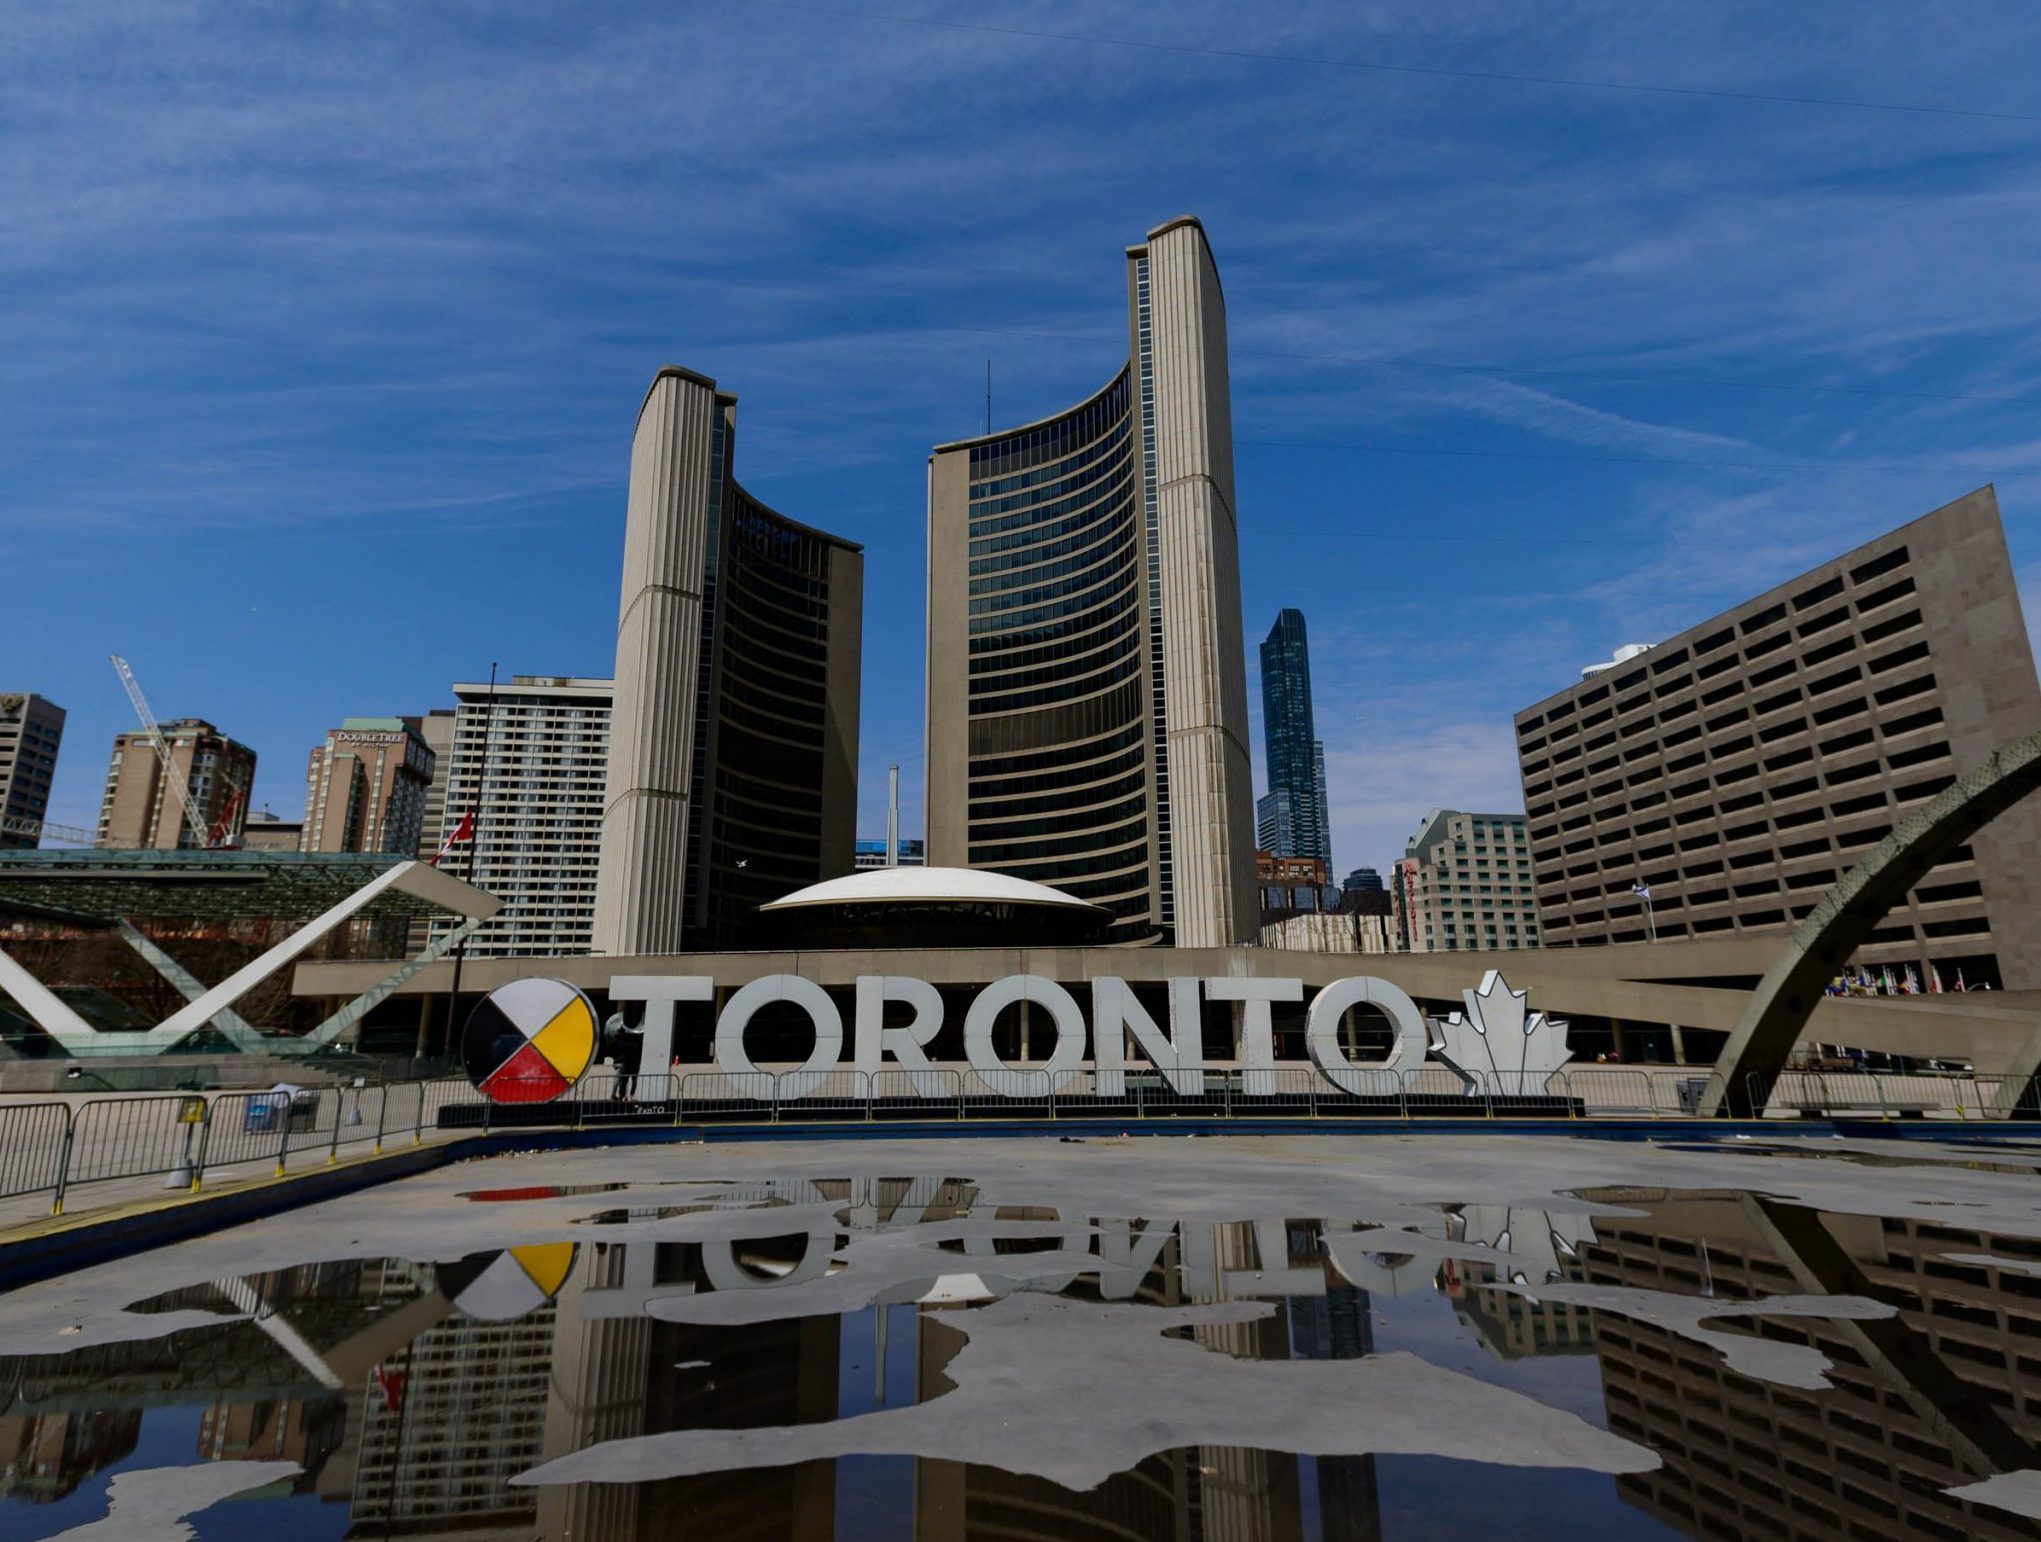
<point x="55" y="1146"/>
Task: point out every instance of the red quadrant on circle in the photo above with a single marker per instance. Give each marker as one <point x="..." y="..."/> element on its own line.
<point x="526" y="1077"/>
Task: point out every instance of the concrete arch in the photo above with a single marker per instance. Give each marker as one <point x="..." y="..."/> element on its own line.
<point x="1821" y="945"/>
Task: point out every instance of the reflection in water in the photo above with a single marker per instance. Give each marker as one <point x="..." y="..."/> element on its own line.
<point x="1947" y="1392"/>
<point x="412" y="1395"/>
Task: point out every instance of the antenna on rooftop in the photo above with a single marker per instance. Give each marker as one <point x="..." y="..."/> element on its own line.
<point x="988" y="396"/>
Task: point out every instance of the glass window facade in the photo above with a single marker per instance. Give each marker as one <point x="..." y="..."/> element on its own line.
<point x="1058" y="779"/>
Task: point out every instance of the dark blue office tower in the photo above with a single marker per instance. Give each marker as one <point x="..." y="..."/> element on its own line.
<point x="1291" y="818"/>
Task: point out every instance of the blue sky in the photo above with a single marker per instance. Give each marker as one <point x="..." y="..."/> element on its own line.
<point x="324" y="326"/>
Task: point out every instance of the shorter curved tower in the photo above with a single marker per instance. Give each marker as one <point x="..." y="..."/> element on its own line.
<point x="733" y="739"/>
<point x="1087" y="689"/>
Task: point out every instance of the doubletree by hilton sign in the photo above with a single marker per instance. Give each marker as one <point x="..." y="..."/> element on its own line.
<point x="1494" y="1043"/>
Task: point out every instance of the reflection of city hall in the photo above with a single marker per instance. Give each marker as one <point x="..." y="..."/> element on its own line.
<point x="436" y="1411"/>
<point x="426" y="1441"/>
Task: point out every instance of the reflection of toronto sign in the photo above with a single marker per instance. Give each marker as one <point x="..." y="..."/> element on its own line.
<point x="1494" y="1045"/>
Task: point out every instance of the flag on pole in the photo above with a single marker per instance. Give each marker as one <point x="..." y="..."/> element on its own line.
<point x="1934" y="980"/>
<point x="1642" y="890"/>
<point x="1911" y="985"/>
<point x="1960" y="986"/>
<point x="465" y="830"/>
<point x="1886" y="985"/>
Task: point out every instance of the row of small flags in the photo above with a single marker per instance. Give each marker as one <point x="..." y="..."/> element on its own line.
<point x="1883" y="982"/>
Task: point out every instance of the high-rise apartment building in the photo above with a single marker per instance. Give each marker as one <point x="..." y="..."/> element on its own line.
<point x="436" y="728"/>
<point x="1738" y="770"/>
<point x="1087" y="692"/>
<point x="30" y="731"/>
<point x="365" y="787"/>
<point x="732" y="776"/>
<point x="140" y="809"/>
<point x="1291" y="818"/>
<point x="528" y="763"/>
<point x="1465" y="882"/>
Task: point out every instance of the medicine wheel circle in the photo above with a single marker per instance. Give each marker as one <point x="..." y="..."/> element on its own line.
<point x="529" y="1041"/>
<point x="504" y="1286"/>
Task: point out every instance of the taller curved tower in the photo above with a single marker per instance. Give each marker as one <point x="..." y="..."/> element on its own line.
<point x="1087" y="689"/>
<point x="733" y="738"/>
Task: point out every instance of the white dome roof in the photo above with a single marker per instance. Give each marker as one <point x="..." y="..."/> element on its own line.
<point x="928" y="885"/>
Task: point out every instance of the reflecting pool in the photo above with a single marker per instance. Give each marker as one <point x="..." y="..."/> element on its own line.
<point x="1308" y="1338"/>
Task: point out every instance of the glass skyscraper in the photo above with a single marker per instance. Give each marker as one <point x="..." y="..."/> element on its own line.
<point x="1291" y="817"/>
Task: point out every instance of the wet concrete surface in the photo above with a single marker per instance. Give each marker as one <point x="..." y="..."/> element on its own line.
<point x="1309" y="1335"/>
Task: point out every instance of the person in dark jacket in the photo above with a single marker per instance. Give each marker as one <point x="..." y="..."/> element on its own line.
<point x="626" y="1045"/>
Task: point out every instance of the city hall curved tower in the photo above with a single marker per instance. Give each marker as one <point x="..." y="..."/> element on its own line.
<point x="1087" y="690"/>
<point x="733" y="738"/>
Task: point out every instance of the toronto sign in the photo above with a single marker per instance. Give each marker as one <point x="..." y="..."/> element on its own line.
<point x="1495" y="1044"/>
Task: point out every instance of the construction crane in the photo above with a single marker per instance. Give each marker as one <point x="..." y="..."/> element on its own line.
<point x="193" y="820"/>
<point x="42" y="829"/>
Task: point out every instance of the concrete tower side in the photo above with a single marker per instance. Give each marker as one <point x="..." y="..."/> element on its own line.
<point x="946" y="792"/>
<point x="674" y="458"/>
<point x="1204" y="671"/>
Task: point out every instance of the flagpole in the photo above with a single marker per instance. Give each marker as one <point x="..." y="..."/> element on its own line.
<point x="453" y="995"/>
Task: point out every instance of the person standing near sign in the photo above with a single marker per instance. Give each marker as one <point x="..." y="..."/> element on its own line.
<point x="626" y="1045"/>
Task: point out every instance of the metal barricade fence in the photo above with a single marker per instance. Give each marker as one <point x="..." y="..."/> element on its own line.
<point x="134" y="1138"/>
<point x="449" y="1102"/>
<point x="609" y="1097"/>
<point x="1437" y="1090"/>
<point x="1278" y="1092"/>
<point x="32" y="1140"/>
<point x="1664" y="1085"/>
<point x="1791" y="1093"/>
<point x="55" y="1146"/>
<point x="402" y="1113"/>
<point x="1080" y="1094"/>
<point x="2005" y="1096"/>
<point x="1606" y="1091"/>
<point x="751" y="1095"/>
<point x="659" y="1089"/>
<point x="1519" y="1087"/>
<point x="313" y="1124"/>
<point x="1692" y="1093"/>
<point x="359" y="1114"/>
<point x="1151" y="1095"/>
<point x="1908" y="1095"/>
<point x="1007" y="1094"/>
<point x="930" y="1094"/>
<point x="822" y="1095"/>
<point x="1375" y="1093"/>
<point x="245" y="1127"/>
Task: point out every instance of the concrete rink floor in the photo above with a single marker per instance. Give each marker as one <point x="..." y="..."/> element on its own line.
<point x="1102" y="1302"/>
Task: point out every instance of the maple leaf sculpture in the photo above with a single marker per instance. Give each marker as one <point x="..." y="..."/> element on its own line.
<point x="1496" y="1045"/>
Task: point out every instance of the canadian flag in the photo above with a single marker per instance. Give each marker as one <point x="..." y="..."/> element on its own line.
<point x="465" y="830"/>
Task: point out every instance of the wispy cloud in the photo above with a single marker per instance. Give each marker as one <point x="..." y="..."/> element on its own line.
<point x="275" y="278"/>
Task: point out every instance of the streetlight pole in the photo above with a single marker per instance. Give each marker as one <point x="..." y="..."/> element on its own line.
<point x="453" y="995"/>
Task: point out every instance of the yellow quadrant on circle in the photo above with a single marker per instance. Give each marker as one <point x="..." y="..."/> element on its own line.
<point x="547" y="1263"/>
<point x="568" y="1041"/>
